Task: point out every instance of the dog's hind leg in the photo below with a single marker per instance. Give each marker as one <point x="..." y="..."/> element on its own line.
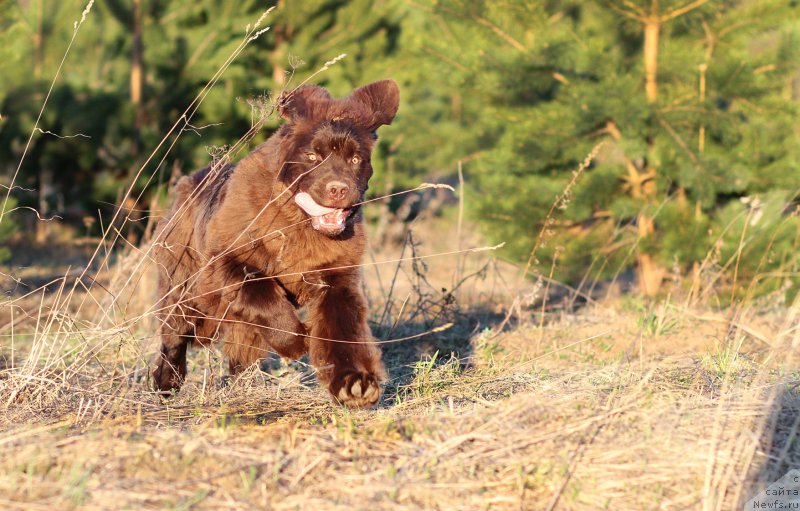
<point x="176" y="332"/>
<point x="176" y="322"/>
<point x="170" y="370"/>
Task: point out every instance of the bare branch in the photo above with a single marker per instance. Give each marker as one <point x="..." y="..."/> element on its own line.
<point x="680" y="11"/>
<point x="641" y="18"/>
<point x="504" y="35"/>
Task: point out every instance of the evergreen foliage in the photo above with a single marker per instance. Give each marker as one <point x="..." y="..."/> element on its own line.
<point x="535" y="97"/>
<point x="697" y="102"/>
<point x="7" y="229"/>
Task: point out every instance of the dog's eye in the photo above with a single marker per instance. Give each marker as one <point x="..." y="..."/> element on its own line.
<point x="355" y="160"/>
<point x="311" y="157"/>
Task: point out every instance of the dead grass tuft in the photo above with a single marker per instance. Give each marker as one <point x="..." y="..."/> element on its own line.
<point x="603" y="413"/>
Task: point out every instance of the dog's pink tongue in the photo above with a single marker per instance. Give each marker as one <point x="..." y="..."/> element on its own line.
<point x="310" y="206"/>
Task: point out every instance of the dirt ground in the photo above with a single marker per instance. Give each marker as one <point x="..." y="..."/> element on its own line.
<point x="608" y="404"/>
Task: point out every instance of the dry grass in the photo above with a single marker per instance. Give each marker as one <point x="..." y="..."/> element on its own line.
<point x="617" y="406"/>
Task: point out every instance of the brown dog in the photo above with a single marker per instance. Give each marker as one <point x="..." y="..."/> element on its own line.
<point x="245" y="246"/>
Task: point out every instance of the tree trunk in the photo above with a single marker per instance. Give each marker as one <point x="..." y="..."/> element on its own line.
<point x="38" y="42"/>
<point x="279" y="52"/>
<point x="701" y="136"/>
<point x="45" y="189"/>
<point x="137" y="76"/>
<point x="650" y="272"/>
<point x="652" y="30"/>
<point x="45" y="176"/>
<point x="278" y="71"/>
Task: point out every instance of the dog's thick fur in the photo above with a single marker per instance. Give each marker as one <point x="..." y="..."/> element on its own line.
<point x="238" y="256"/>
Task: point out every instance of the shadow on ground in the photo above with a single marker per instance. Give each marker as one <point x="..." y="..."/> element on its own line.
<point x="779" y="444"/>
<point x="403" y="358"/>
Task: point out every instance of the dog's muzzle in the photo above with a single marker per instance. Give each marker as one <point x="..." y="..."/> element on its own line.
<point x="329" y="221"/>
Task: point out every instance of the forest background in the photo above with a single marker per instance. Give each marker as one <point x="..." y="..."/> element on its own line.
<point x="695" y="103"/>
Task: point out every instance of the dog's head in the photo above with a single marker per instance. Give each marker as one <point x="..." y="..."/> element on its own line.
<point x="328" y="145"/>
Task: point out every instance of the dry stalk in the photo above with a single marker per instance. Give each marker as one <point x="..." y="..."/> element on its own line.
<point x="545" y="232"/>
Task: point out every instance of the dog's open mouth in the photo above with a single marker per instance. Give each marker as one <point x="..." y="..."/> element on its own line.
<point x="330" y="221"/>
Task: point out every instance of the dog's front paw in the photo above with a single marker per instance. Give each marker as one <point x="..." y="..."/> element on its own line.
<point x="356" y="389"/>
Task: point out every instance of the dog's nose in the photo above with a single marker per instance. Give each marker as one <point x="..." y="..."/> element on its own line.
<point x="337" y="190"/>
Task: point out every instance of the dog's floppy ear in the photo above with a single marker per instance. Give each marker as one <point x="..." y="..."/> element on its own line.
<point x="382" y="99"/>
<point x="299" y="103"/>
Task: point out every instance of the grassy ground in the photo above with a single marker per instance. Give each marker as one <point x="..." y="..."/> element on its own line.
<point x="617" y="405"/>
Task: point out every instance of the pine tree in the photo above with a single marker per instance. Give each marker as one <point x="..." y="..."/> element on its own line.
<point x="691" y="98"/>
<point x="185" y="45"/>
<point x="61" y="159"/>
